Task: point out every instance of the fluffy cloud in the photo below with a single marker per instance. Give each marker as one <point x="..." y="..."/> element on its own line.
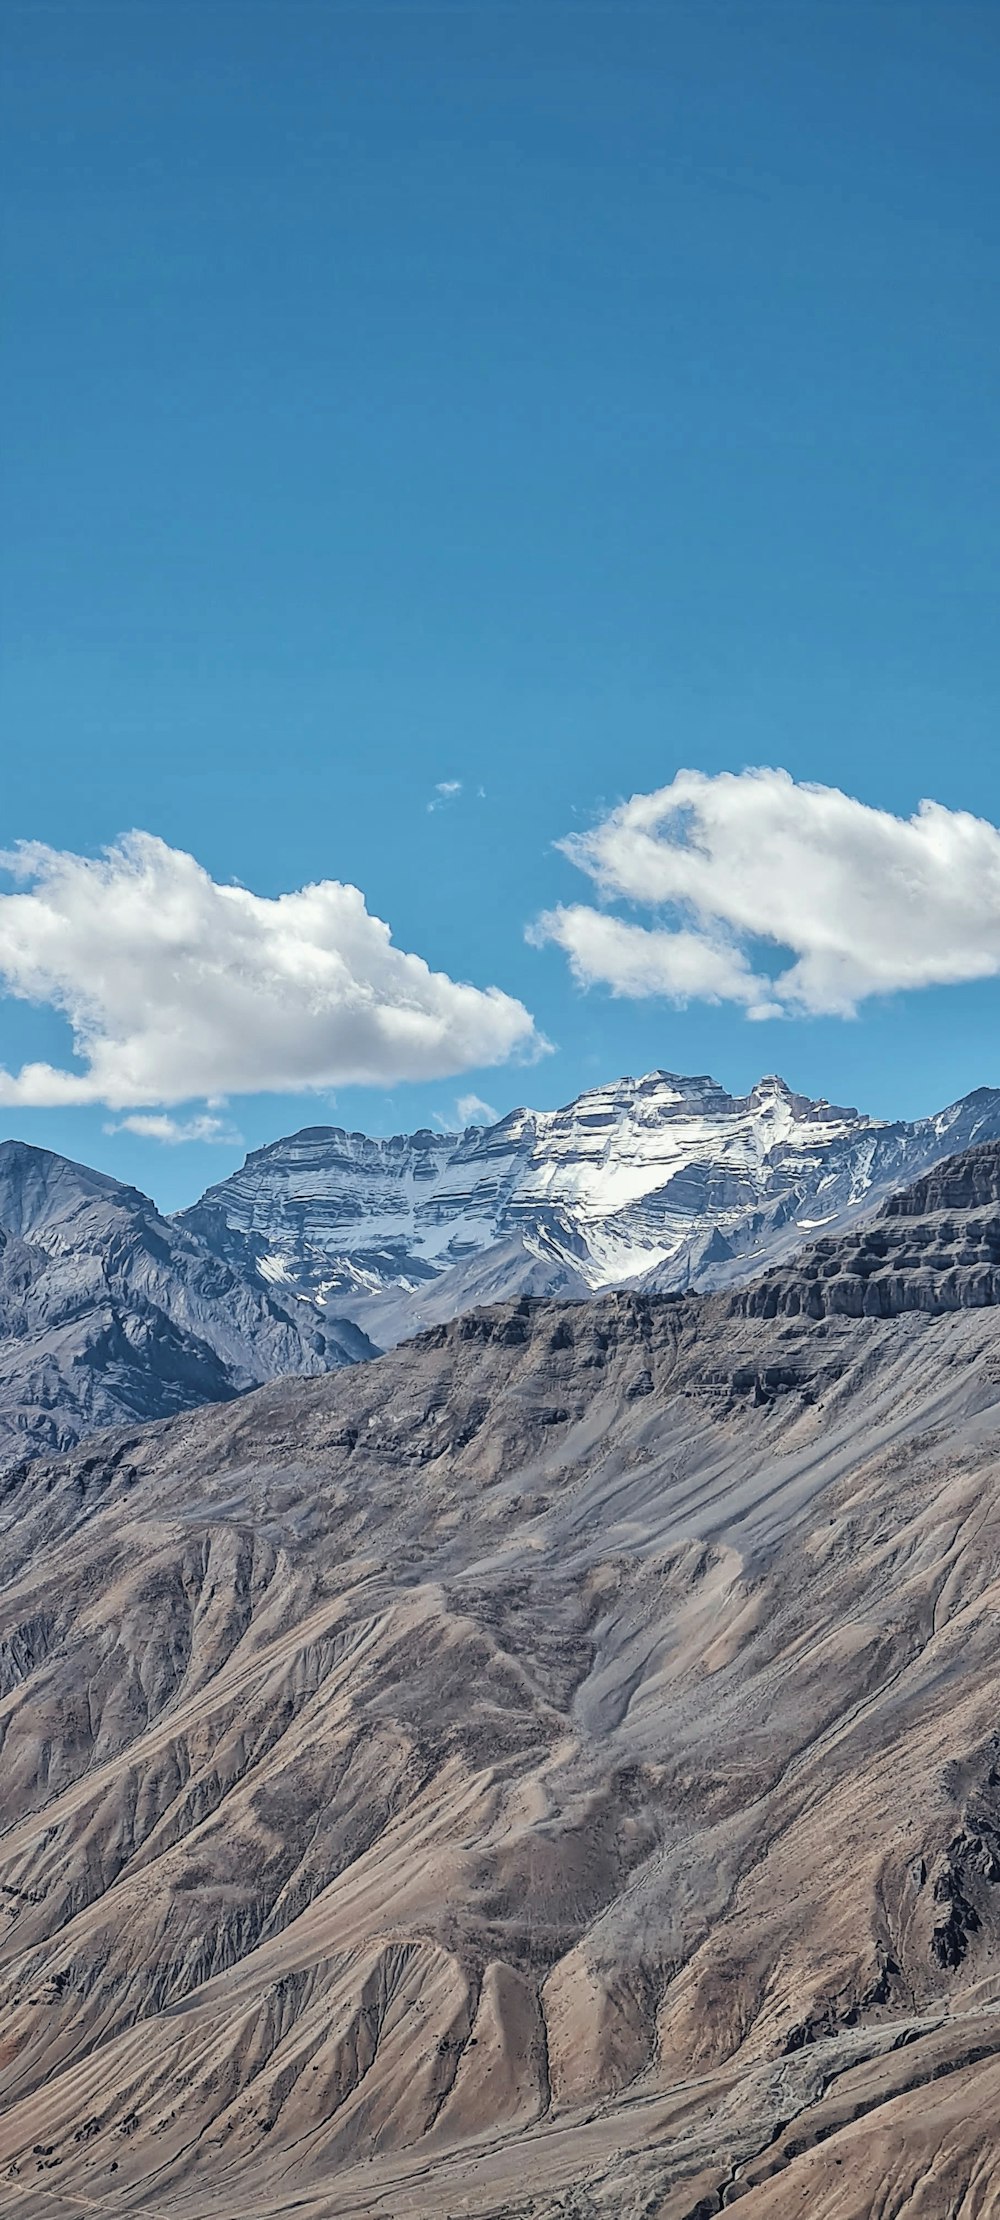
<point x="635" y="961"/>
<point x="864" y="902"/>
<point x="177" y="988"/>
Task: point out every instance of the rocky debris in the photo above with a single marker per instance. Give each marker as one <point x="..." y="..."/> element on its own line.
<point x="968" y="1870"/>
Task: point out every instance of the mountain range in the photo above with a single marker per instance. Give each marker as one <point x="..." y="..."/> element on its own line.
<point x="551" y="1770"/>
<point x="660" y="1183"/>
<point x="328" y="1245"/>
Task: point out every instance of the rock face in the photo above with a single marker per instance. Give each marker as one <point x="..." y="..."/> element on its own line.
<point x="109" y="1312"/>
<point x="662" y="1182"/>
<point x="551" y="1770"/>
<point x="935" y="1247"/>
<point x="964" y="1183"/>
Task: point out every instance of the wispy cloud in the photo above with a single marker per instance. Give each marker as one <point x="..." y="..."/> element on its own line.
<point x="864" y="902"/>
<point x="472" y="1110"/>
<point x="160" y="1126"/>
<point x="468" y="1110"/>
<point x="446" y="790"/>
<point x="178" y="989"/>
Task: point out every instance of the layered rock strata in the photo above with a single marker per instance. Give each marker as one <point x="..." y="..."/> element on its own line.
<point x="935" y="1247"/>
<point x="665" y="1182"/>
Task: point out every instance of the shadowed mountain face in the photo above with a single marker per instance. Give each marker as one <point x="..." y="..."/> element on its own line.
<point x="663" y="1182"/>
<point x="554" y="1769"/>
<point x="109" y="1312"/>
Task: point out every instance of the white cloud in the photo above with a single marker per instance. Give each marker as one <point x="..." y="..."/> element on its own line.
<point x="160" y="1126"/>
<point x="446" y="790"/>
<point x="177" y="988"/>
<point x="864" y="902"/>
<point x="472" y="1110"/>
<point x="634" y="961"/>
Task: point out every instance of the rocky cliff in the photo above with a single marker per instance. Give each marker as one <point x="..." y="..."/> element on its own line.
<point x="935" y="1247"/>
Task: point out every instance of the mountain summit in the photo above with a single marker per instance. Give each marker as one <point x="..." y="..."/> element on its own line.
<point x="662" y="1182"/>
<point x="328" y="1244"/>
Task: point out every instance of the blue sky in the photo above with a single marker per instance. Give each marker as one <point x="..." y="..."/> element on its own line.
<point x="544" y="398"/>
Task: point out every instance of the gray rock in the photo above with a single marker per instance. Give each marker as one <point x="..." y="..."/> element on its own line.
<point x="111" y="1313"/>
<point x="934" y="1248"/>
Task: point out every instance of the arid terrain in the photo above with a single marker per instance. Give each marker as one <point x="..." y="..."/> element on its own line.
<point x="552" y="1770"/>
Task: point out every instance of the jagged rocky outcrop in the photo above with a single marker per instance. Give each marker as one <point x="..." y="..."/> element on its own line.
<point x="962" y="1183"/>
<point x="664" y="1181"/>
<point x="553" y="1769"/>
<point x="329" y="1244"/>
<point x="110" y="1312"/>
<point x="935" y="1247"/>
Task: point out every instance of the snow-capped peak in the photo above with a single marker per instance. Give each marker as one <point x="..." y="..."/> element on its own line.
<point x="665" y="1179"/>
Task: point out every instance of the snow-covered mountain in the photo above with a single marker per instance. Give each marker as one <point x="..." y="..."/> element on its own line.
<point x="110" y="1313"/>
<point x="663" y="1181"/>
<point x="328" y="1243"/>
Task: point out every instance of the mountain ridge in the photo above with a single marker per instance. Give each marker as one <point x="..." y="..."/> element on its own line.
<point x="109" y="1311"/>
<point x="327" y="1246"/>
<point x="664" y="1181"/>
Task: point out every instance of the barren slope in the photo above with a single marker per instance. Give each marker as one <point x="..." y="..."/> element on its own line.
<point x="554" y="1769"/>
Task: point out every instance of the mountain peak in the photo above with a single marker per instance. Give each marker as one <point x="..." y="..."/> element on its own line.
<point x="109" y="1313"/>
<point x="36" y="1185"/>
<point x="665" y="1181"/>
